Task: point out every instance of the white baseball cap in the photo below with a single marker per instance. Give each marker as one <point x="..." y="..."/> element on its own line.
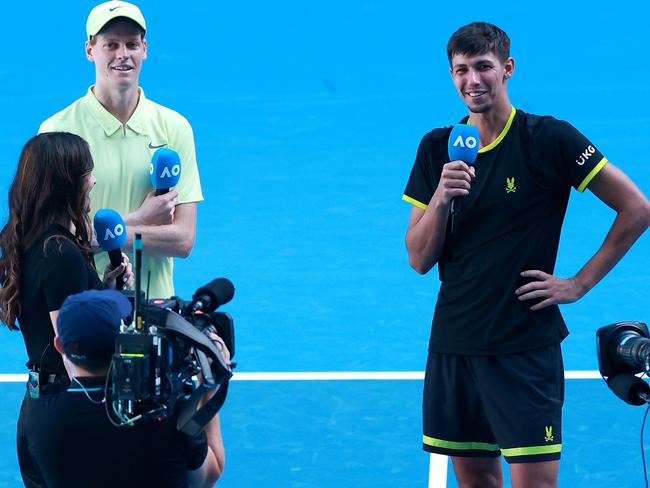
<point x="103" y="13"/>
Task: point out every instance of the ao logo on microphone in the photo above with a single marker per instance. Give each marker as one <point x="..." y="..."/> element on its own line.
<point x="166" y="171"/>
<point x="470" y="142"/>
<point x="118" y="230"/>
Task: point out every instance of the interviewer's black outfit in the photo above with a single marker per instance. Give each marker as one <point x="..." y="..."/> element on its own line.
<point x="75" y="445"/>
<point x="53" y="268"/>
<point x="494" y="379"/>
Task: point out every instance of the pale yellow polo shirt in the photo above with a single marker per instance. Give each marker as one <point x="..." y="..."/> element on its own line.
<point x="122" y="154"/>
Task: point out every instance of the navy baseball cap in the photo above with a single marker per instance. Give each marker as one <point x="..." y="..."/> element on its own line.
<point x="92" y="320"/>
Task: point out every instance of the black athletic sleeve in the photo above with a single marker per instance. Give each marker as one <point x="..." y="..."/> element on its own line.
<point x="425" y="174"/>
<point x="568" y="155"/>
<point x="64" y="271"/>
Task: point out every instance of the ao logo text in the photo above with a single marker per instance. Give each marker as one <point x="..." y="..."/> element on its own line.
<point x="117" y="231"/>
<point x="167" y="172"/>
<point x="469" y="142"/>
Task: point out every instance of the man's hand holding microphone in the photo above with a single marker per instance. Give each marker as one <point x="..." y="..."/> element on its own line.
<point x="457" y="175"/>
<point x="160" y="203"/>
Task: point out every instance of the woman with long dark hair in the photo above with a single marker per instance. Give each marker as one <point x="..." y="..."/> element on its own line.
<point x="46" y="256"/>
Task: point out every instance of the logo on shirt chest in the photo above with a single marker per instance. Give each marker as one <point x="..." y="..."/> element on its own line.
<point x="510" y="185"/>
<point x="151" y="146"/>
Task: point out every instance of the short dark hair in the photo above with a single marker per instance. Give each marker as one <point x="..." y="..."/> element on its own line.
<point x="90" y="358"/>
<point x="479" y="38"/>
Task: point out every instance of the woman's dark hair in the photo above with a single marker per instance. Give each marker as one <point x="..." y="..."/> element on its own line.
<point x="479" y="38"/>
<point x="48" y="189"/>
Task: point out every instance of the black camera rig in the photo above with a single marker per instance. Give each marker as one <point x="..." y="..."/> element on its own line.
<point x="164" y="362"/>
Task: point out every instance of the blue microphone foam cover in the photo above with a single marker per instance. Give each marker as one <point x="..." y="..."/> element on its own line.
<point x="463" y="143"/>
<point x="165" y="168"/>
<point x="110" y="229"/>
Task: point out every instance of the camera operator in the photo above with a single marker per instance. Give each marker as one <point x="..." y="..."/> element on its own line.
<point x="45" y="257"/>
<point x="75" y="444"/>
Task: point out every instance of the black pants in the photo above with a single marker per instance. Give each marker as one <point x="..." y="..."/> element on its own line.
<point x="29" y="469"/>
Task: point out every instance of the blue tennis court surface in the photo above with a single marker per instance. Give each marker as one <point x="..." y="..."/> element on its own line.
<point x="307" y="116"/>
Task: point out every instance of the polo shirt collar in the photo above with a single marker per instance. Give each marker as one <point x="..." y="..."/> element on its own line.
<point x="135" y="123"/>
<point x="108" y="121"/>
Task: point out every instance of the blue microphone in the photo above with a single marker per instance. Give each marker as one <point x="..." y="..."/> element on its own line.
<point x="463" y="145"/>
<point x="165" y="170"/>
<point x="111" y="235"/>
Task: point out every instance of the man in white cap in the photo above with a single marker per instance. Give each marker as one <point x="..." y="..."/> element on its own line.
<point x="124" y="129"/>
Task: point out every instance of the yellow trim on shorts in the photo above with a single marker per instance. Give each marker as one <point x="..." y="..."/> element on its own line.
<point x="531" y="451"/>
<point x="465" y="446"/>
<point x="591" y="174"/>
<point x="413" y="201"/>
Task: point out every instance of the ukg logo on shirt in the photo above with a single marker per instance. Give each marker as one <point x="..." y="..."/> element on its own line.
<point x="585" y="155"/>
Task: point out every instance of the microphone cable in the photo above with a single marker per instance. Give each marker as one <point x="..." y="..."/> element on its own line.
<point x="645" y="471"/>
<point x="645" y="416"/>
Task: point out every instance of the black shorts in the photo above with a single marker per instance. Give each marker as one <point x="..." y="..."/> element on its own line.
<point x="480" y="406"/>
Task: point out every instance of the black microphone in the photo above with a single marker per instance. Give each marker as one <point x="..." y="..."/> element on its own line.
<point x="629" y="388"/>
<point x="211" y="296"/>
<point x="137" y="267"/>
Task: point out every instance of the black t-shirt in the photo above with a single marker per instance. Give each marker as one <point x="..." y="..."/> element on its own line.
<point x="510" y="222"/>
<point x="74" y="444"/>
<point x="50" y="274"/>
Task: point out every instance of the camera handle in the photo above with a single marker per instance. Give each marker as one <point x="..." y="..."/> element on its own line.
<point x="192" y="419"/>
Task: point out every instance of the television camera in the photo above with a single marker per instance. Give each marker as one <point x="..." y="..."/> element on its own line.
<point x="624" y="352"/>
<point x="164" y="362"/>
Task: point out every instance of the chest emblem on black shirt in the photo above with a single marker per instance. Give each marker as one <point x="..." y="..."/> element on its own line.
<point x="510" y="185"/>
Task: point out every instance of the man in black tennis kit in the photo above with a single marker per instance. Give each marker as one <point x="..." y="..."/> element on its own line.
<point x="494" y="379"/>
<point x="71" y="440"/>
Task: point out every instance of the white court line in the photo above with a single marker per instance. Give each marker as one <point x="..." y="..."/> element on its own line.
<point x="332" y="376"/>
<point x="437" y="463"/>
<point x="13" y="378"/>
<point x="437" y="471"/>
<point x="369" y="375"/>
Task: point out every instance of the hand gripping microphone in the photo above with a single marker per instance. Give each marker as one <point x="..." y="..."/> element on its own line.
<point x="463" y="145"/>
<point x="211" y="296"/>
<point x="165" y="170"/>
<point x="111" y="235"/>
